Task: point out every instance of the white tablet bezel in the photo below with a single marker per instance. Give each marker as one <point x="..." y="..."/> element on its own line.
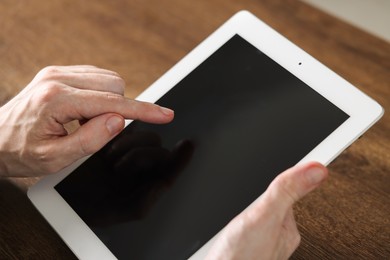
<point x="363" y="112"/>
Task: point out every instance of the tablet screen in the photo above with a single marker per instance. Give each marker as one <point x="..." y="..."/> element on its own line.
<point x="163" y="191"/>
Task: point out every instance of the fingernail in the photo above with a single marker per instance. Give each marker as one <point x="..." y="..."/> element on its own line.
<point x="316" y="175"/>
<point x="114" y="124"/>
<point x="166" y="111"/>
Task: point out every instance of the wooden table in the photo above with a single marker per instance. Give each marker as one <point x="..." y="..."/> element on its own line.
<point x="347" y="218"/>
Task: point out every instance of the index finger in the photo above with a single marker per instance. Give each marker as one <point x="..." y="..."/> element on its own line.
<point x="81" y="104"/>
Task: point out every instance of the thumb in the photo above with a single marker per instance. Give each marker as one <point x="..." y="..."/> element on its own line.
<point x="91" y="136"/>
<point x="294" y="183"/>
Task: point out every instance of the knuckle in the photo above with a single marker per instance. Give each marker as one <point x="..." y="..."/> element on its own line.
<point x="50" y="69"/>
<point x="41" y="154"/>
<point x="250" y="218"/>
<point x="48" y="73"/>
<point x="48" y="91"/>
<point x="45" y="158"/>
<point x="283" y="187"/>
<point x="120" y="83"/>
<point x="113" y="97"/>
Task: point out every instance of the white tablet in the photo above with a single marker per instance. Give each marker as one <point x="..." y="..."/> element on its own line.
<point x="248" y="104"/>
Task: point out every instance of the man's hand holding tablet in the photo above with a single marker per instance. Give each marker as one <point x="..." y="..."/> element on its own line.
<point x="267" y="228"/>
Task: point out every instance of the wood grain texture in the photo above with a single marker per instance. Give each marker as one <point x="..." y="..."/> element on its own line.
<point x="347" y="218"/>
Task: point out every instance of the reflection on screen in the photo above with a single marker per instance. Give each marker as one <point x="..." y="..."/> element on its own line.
<point x="162" y="191"/>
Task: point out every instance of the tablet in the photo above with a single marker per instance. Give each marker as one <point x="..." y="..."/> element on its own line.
<point x="248" y="105"/>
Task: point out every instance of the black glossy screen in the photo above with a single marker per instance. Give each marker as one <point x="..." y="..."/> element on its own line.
<point x="162" y="191"/>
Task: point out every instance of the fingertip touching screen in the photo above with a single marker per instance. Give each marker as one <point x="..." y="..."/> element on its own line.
<point x="163" y="191"/>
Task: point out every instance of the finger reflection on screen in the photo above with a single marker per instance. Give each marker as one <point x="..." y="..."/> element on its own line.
<point x="130" y="175"/>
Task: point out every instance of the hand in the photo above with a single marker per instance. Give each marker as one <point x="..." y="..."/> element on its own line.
<point x="33" y="139"/>
<point x="267" y="229"/>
